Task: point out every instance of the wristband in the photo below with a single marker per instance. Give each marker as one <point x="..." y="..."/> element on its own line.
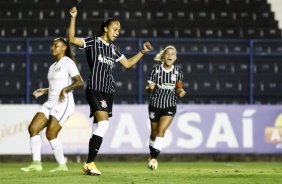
<point x="179" y="84"/>
<point x="142" y="52"/>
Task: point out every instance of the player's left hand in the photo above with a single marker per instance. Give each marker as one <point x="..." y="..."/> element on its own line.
<point x="146" y="47"/>
<point x="62" y="96"/>
<point x="182" y="93"/>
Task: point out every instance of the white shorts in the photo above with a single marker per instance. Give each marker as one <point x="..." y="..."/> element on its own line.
<point x="61" y="111"/>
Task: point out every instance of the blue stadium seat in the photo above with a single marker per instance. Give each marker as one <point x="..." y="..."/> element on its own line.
<point x="30" y="14"/>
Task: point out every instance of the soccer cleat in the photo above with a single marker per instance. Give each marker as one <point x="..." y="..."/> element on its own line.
<point x="153" y="164"/>
<point x="62" y="167"/>
<point x="90" y="168"/>
<point x="36" y="166"/>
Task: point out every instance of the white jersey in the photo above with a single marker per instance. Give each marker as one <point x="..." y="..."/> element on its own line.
<point x="59" y="76"/>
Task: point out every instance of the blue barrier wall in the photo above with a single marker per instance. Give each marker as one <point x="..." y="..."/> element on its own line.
<point x="216" y="71"/>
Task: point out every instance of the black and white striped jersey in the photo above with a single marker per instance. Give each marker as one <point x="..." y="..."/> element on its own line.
<point x="164" y="94"/>
<point x="101" y="57"/>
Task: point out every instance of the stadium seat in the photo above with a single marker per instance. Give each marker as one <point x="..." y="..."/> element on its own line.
<point x="180" y="15"/>
<point x="166" y="33"/>
<point x="188" y="33"/>
<point x="12" y="32"/>
<point x="270" y="33"/>
<point x="12" y="46"/>
<point x="127" y="46"/>
<point x="117" y="14"/>
<point x="84" y="32"/>
<point x="223" y="16"/>
<point x="231" y="33"/>
<point x="209" y="33"/>
<point x="9" y="14"/>
<point x="35" y="32"/>
<point x="138" y="15"/>
<point x="30" y="14"/>
<point x="251" y="33"/>
<point x="160" y="15"/>
<point x="144" y="33"/>
<point x="93" y="14"/>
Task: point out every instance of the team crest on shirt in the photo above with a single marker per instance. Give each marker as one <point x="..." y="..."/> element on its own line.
<point x="56" y="111"/>
<point x="173" y="77"/>
<point x="113" y="51"/>
<point x="152" y="115"/>
<point x="158" y="71"/>
<point x="104" y="104"/>
<point x="57" y="69"/>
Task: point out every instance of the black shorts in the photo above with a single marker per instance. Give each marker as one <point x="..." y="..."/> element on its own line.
<point x="155" y="114"/>
<point x="99" y="101"/>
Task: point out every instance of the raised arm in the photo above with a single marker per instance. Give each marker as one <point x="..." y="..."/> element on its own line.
<point x="128" y="63"/>
<point x="71" y="32"/>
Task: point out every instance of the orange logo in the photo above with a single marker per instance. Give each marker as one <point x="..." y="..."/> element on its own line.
<point x="274" y="134"/>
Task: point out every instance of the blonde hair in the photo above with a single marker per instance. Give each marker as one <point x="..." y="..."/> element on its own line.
<point x="160" y="56"/>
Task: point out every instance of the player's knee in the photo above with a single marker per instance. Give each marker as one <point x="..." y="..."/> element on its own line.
<point x="50" y="135"/>
<point x="161" y="133"/>
<point x="33" y="130"/>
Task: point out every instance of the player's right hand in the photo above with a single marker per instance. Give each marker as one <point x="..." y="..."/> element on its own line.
<point x="39" y="92"/>
<point x="73" y="11"/>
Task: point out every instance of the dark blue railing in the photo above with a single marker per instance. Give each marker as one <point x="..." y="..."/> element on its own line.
<point x="185" y="47"/>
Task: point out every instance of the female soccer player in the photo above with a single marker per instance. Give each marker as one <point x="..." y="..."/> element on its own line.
<point x="101" y="55"/>
<point x="164" y="84"/>
<point x="63" y="77"/>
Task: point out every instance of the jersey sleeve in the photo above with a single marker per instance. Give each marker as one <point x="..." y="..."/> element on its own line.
<point x="152" y="77"/>
<point x="88" y="42"/>
<point x="117" y="52"/>
<point x="72" y="68"/>
<point x="180" y="78"/>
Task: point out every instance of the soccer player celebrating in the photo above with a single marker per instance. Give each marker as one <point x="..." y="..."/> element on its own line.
<point x="101" y="55"/>
<point x="164" y="84"/>
<point x="63" y="77"/>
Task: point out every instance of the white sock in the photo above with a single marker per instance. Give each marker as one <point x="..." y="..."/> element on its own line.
<point x="151" y="142"/>
<point x="94" y="127"/>
<point x="159" y="143"/>
<point x="57" y="150"/>
<point x="102" y="128"/>
<point x="35" y="146"/>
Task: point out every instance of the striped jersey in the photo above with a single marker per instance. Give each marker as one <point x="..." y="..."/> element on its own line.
<point x="164" y="94"/>
<point x="100" y="57"/>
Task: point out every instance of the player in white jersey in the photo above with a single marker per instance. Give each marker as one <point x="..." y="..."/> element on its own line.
<point x="63" y="77"/>
<point x="101" y="54"/>
<point x="164" y="84"/>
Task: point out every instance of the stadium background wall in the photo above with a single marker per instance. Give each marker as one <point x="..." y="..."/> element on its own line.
<point x="199" y="132"/>
<point x="229" y="50"/>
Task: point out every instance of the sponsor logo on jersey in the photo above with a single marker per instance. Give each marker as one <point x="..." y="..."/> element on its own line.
<point x="106" y="60"/>
<point x="166" y="86"/>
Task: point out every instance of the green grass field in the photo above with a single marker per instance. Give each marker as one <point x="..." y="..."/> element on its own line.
<point x="137" y="172"/>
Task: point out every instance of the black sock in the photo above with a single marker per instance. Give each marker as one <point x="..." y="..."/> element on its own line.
<point x="94" y="146"/>
<point x="151" y="149"/>
<point x="155" y="153"/>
